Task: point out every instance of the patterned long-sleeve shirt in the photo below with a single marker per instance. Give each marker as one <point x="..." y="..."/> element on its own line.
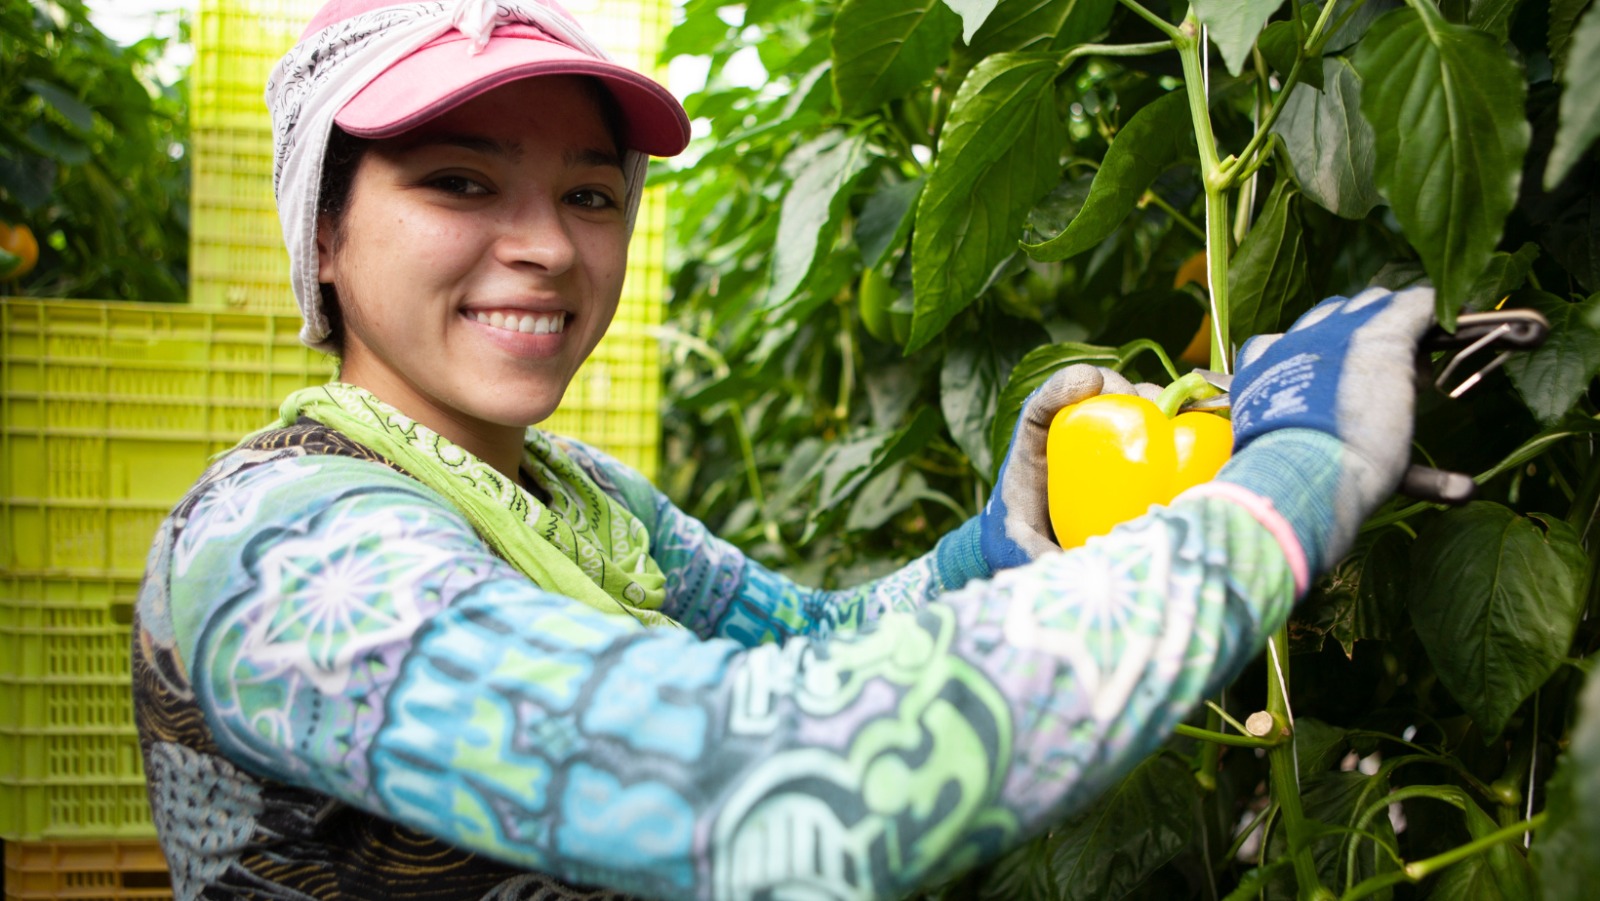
<point x="341" y="688"/>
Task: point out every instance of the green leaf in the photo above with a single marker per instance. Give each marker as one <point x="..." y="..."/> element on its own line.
<point x="1563" y="852"/>
<point x="1505" y="273"/>
<point x="1563" y="16"/>
<point x="974" y="373"/>
<point x="813" y="209"/>
<point x="846" y="465"/>
<point x="1330" y="145"/>
<point x="973" y="14"/>
<point x="882" y="49"/>
<point x="1495" y="600"/>
<point x="1499" y="873"/>
<point x="1580" y="102"/>
<point x="1356" y="25"/>
<point x="1111" y="848"/>
<point x="71" y="108"/>
<point x="1022" y="25"/>
<point x="997" y="156"/>
<point x="1553" y="377"/>
<point x="1447" y="108"/>
<point x="1234" y="25"/>
<point x="1156" y="137"/>
<point x="1029" y="373"/>
<point x="1267" y="277"/>
<point x="1493" y="16"/>
<point x="886" y="220"/>
<point x="1280" y="47"/>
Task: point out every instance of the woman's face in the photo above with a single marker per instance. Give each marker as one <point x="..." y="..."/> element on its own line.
<point x="480" y="259"/>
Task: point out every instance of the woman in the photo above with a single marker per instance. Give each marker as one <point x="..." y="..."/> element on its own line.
<point x="404" y="645"/>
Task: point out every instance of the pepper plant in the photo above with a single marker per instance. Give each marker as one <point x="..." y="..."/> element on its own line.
<point x="919" y="208"/>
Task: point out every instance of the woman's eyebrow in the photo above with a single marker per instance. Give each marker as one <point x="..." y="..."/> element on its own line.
<point x="590" y="157"/>
<point x="466" y="141"/>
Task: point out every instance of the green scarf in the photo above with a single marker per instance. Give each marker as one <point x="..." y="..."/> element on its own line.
<point x="584" y="545"/>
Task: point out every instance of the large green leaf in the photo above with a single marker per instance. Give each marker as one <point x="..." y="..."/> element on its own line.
<point x="813" y="209"/>
<point x="1022" y="25"/>
<point x="1580" y="102"/>
<point x="1563" y="17"/>
<point x="1493" y="16"/>
<point x="1234" y="25"/>
<point x="1029" y="373"/>
<point x="1110" y="848"/>
<point x="973" y="14"/>
<point x="1330" y="145"/>
<point x="1495" y="600"/>
<point x="844" y="466"/>
<point x="1564" y="852"/>
<point x="886" y="220"/>
<point x="1155" y="138"/>
<point x="1267" y="277"/>
<point x="1552" y="378"/>
<point x="1446" y="106"/>
<point x="997" y="156"/>
<point x="1499" y="873"/>
<point x="974" y="373"/>
<point x="882" y="49"/>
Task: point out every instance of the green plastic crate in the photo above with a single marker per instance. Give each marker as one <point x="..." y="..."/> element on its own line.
<point x="69" y="753"/>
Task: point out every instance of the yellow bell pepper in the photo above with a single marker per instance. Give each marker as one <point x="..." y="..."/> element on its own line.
<point x="1114" y="455"/>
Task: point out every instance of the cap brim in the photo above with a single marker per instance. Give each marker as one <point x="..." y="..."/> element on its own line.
<point x="445" y="74"/>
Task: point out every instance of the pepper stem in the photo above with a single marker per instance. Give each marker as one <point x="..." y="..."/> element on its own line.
<point x="1190" y="387"/>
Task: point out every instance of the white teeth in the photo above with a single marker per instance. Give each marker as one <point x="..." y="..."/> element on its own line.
<point x="526" y="323"/>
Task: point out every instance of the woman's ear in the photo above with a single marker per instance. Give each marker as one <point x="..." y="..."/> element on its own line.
<point x="327" y="250"/>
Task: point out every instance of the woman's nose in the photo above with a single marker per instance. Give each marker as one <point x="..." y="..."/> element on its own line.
<point x="538" y="235"/>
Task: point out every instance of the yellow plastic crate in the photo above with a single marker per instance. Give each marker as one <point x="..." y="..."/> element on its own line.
<point x="69" y="753"/>
<point x="86" y="871"/>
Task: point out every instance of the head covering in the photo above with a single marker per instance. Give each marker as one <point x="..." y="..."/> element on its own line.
<point x="381" y="67"/>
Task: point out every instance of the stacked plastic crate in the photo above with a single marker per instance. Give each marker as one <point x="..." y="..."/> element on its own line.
<point x="110" y="410"/>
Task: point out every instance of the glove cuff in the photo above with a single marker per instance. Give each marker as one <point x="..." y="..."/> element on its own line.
<point x="959" y="555"/>
<point x="1298" y="471"/>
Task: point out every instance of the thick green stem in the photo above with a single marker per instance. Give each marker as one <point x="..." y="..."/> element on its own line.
<point x="1082" y="50"/>
<point x="1190" y="387"/>
<point x="1187" y="41"/>
<point x="1285" y="772"/>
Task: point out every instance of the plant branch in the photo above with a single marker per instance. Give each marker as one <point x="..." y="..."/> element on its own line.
<point x="1227" y="738"/>
<point x="1285" y="775"/>
<point x="1246" y="162"/>
<point x="1145" y="14"/>
<point x="1187" y="41"/>
<point x="1223" y="715"/>
<point x="1161" y="204"/>
<point x="1082" y="50"/>
<point x="1422" y="869"/>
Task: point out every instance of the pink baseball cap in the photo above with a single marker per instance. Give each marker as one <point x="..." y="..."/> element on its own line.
<point x="445" y="73"/>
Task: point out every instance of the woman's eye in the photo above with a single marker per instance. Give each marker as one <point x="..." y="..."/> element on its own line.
<point x="591" y="198"/>
<point x="457" y="184"/>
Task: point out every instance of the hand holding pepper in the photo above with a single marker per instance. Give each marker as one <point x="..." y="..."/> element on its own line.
<point x="1014" y="527"/>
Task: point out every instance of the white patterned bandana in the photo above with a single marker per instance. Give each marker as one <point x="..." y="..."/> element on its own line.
<point x="316" y="78"/>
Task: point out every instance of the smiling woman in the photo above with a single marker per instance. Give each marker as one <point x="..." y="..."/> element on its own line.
<point x="405" y="644"/>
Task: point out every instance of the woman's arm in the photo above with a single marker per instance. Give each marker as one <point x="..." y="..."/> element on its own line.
<point x="354" y="636"/>
<point x="716" y="591"/>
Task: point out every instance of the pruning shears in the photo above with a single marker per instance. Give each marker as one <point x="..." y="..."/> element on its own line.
<point x="1501" y="331"/>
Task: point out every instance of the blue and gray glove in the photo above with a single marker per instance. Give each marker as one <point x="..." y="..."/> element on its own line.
<point x="1322" y="414"/>
<point x="1014" y="527"/>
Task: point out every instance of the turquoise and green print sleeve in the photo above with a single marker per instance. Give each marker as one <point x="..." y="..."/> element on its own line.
<point x="346" y="632"/>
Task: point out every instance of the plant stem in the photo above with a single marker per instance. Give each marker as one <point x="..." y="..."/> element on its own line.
<point x="1190" y="387"/>
<point x="1422" y="869"/>
<point x="1145" y="14"/>
<point x="1187" y="41"/>
<point x="1127" y="352"/>
<point x="1285" y="777"/>
<point x="1227" y="738"/>
<point x="1222" y="714"/>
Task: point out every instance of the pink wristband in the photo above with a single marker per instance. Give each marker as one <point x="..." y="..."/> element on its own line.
<point x="1261" y="508"/>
